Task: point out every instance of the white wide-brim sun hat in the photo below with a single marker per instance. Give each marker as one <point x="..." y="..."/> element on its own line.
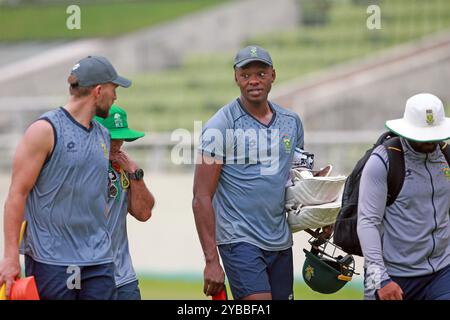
<point x="423" y="121"/>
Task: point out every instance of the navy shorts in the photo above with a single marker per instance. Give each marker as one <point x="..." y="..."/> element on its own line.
<point x="431" y="287"/>
<point x="129" y="291"/>
<point x="251" y="270"/>
<point x="58" y="282"/>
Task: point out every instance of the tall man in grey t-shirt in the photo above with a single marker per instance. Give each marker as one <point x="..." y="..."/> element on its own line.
<point x="59" y="183"/>
<point x="244" y="160"/>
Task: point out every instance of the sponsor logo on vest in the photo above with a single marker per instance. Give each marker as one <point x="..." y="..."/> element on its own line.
<point x="71" y="147"/>
<point x="105" y="150"/>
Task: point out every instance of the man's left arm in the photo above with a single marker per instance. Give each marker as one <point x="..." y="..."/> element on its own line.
<point x="140" y="199"/>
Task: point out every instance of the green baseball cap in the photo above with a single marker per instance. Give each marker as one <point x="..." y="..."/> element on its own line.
<point x="117" y="125"/>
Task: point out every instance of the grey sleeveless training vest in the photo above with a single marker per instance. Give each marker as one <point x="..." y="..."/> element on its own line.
<point x="67" y="207"/>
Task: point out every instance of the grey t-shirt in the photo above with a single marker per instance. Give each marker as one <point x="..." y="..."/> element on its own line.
<point x="117" y="225"/>
<point x="249" y="200"/>
<point x="66" y="208"/>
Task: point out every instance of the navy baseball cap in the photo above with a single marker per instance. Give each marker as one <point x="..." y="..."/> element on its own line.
<point x="94" y="70"/>
<point x="250" y="54"/>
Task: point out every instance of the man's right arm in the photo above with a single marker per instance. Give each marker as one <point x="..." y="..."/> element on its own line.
<point x="31" y="153"/>
<point x="206" y="178"/>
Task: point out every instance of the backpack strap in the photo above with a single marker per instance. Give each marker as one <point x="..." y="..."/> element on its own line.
<point x="446" y="151"/>
<point x="396" y="171"/>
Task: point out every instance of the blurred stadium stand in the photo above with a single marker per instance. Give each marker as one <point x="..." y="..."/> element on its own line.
<point x="342" y="78"/>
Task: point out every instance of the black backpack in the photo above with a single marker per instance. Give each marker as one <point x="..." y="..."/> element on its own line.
<point x="345" y="232"/>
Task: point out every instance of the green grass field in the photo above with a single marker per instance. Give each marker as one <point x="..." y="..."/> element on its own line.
<point x="48" y="22"/>
<point x="162" y="289"/>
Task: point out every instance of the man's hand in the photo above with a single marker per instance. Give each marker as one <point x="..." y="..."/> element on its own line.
<point x="124" y="160"/>
<point x="391" y="291"/>
<point x="327" y="231"/>
<point x="9" y="271"/>
<point x="214" y="278"/>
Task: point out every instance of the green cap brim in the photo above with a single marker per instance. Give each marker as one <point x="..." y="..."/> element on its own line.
<point x="125" y="134"/>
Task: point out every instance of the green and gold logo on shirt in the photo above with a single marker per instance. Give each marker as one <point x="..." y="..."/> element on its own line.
<point x="105" y="150"/>
<point x="447" y="172"/>
<point x="287" y="143"/>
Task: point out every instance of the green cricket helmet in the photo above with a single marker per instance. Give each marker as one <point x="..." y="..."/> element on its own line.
<point x="325" y="272"/>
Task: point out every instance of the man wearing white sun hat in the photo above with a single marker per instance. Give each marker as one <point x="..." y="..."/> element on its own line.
<point x="406" y="245"/>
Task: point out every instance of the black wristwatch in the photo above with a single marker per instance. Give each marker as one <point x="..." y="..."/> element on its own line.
<point x="137" y="175"/>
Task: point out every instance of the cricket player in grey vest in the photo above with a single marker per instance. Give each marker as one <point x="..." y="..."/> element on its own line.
<point x="127" y="192"/>
<point x="406" y="245"/>
<point x="245" y="155"/>
<point x="59" y="185"/>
